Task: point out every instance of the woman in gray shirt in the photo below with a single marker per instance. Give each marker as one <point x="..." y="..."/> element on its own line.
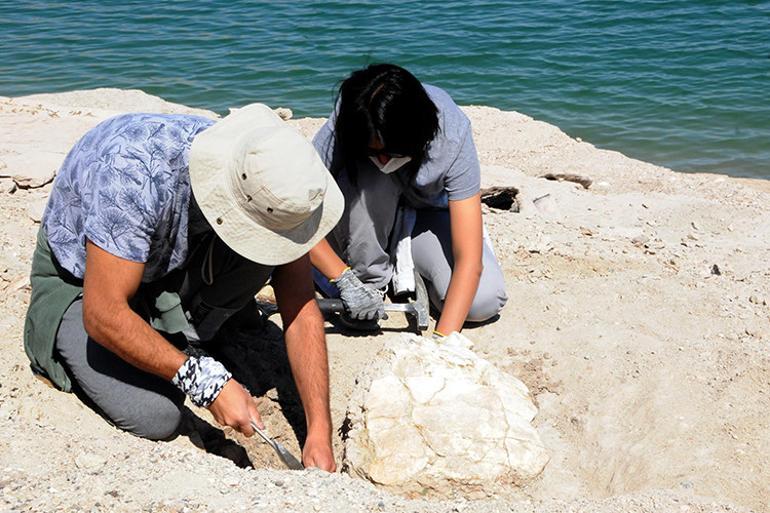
<point x="403" y="155"/>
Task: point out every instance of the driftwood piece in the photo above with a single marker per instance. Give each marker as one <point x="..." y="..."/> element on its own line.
<point x="30" y="182"/>
<point x="566" y="177"/>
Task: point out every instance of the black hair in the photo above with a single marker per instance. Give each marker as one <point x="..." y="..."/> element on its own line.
<point x="386" y="102"/>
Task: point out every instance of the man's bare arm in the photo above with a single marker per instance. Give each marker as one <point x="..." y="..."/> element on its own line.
<point x="109" y="283"/>
<point x="306" y="348"/>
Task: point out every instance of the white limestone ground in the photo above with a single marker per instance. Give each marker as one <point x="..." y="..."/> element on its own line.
<point x="638" y="319"/>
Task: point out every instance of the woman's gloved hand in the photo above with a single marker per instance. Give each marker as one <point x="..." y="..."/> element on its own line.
<point x="362" y="302"/>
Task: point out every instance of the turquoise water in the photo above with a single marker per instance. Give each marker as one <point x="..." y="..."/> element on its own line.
<point x="681" y="83"/>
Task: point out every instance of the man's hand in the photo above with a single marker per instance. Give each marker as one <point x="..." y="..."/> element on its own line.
<point x="361" y="301"/>
<point x="236" y="408"/>
<point x="318" y="453"/>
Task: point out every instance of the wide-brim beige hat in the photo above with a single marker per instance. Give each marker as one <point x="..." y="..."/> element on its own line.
<point x="262" y="187"/>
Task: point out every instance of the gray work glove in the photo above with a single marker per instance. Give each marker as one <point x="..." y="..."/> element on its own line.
<point x="362" y="302"/>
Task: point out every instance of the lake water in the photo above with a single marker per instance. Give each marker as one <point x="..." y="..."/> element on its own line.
<point x="681" y="83"/>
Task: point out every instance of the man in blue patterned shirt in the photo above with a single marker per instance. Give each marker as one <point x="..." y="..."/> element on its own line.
<point x="173" y="223"/>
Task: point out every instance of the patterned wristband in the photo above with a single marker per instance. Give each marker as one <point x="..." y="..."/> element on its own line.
<point x="201" y="379"/>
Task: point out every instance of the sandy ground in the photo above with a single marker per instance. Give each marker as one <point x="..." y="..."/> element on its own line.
<point x="639" y="317"/>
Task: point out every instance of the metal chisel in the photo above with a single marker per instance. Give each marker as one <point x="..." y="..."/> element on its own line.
<point x="283" y="453"/>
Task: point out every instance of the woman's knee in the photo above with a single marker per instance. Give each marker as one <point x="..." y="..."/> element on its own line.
<point x="486" y="304"/>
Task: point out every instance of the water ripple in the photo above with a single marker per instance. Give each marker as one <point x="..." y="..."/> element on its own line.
<point x="677" y="82"/>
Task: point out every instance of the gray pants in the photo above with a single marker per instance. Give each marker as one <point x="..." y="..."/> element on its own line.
<point x="134" y="400"/>
<point x="362" y="238"/>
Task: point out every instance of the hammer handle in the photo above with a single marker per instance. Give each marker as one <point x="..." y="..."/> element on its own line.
<point x="331" y="305"/>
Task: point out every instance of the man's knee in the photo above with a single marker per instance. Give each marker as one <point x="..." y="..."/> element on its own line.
<point x="157" y="421"/>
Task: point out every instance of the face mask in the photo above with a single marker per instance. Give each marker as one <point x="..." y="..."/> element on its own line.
<point x="394" y="164"/>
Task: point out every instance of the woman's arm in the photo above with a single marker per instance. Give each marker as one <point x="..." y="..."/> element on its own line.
<point x="467" y="243"/>
<point x="323" y="258"/>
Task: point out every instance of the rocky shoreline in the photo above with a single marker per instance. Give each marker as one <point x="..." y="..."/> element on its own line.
<point x="639" y="320"/>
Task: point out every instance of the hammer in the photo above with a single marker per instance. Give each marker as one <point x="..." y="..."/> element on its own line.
<point x="417" y="309"/>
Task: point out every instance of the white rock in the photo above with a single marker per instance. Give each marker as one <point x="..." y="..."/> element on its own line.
<point x="7" y="186"/>
<point x="36" y="208"/>
<point x="231" y="480"/>
<point x="90" y="462"/>
<point x="34" y="178"/>
<point x="546" y="204"/>
<point x="436" y="418"/>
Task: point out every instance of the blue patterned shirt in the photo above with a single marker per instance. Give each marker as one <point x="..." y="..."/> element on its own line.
<point x="125" y="186"/>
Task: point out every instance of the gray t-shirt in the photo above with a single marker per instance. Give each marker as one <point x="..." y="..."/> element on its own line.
<point x="451" y="170"/>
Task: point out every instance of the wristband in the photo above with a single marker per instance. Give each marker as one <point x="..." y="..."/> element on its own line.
<point x="201" y="378"/>
<point x="346" y="269"/>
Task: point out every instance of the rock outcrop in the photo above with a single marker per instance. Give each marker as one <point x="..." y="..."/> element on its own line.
<point x="435" y="418"/>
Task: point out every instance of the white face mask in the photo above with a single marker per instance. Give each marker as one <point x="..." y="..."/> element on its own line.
<point x="394" y="164"/>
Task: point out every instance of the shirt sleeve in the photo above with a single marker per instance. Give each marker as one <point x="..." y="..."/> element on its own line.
<point x="122" y="213"/>
<point x="324" y="142"/>
<point x="463" y="178"/>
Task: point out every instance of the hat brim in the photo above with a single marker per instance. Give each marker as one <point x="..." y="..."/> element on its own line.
<point x="210" y="168"/>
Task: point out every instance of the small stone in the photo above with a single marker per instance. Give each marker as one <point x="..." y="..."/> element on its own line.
<point x="278" y="483"/>
<point x="7" y="186"/>
<point x="35" y="179"/>
<point x="36" y="208"/>
<point x="546" y="204"/>
<point x="715" y="270"/>
<point x="284" y="113"/>
<point x="90" y="462"/>
<point x="230" y="480"/>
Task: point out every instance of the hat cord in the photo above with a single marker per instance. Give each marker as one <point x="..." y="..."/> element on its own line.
<point x="208" y="264"/>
